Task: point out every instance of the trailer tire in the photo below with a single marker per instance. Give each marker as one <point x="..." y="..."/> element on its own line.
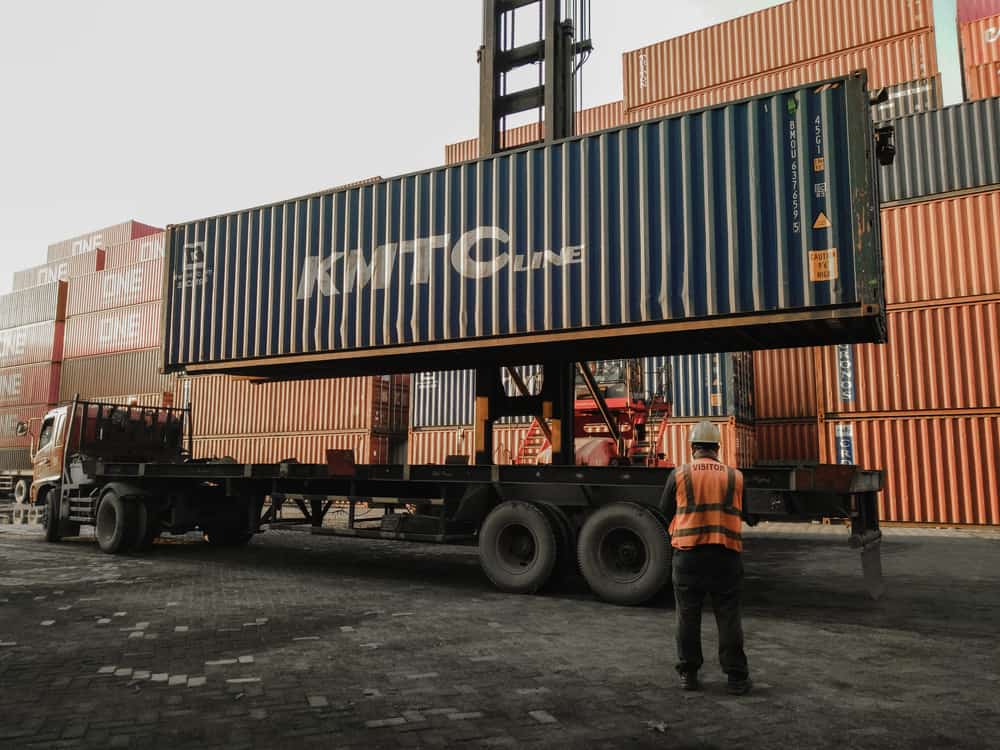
<point x="116" y="523"/>
<point x="146" y="526"/>
<point x="566" y="567"/>
<point x="624" y="553"/>
<point x="22" y="488"/>
<point x="51" y="502"/>
<point x="517" y="547"/>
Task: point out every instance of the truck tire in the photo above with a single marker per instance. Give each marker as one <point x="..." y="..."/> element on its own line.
<point x="624" y="553"/>
<point x="51" y="502"/>
<point x="116" y="524"/>
<point x="517" y="547"/>
<point x="22" y="488"/>
<point x="146" y="526"/>
<point x="566" y="567"/>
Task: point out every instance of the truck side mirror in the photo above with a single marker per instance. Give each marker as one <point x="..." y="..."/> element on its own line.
<point x="21" y="429"/>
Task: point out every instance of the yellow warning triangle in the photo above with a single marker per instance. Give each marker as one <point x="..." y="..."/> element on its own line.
<point x="821" y="222"/>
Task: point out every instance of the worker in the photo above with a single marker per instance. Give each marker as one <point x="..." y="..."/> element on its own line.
<point x="703" y="504"/>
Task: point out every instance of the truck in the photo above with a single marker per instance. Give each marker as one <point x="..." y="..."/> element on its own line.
<point x="127" y="471"/>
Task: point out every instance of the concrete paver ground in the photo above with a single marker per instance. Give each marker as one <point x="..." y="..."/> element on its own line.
<point x="300" y="640"/>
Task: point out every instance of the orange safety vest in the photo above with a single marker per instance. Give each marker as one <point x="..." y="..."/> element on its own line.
<point x="709" y="506"/>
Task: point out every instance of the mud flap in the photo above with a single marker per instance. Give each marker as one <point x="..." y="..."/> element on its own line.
<point x="871" y="566"/>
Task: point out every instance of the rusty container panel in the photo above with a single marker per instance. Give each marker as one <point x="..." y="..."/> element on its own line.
<point x="942" y="248"/>
<point x="10" y="416"/>
<point x="37" y="305"/>
<point x="785" y="383"/>
<point x="30" y="384"/>
<point x="150" y="247"/>
<point x="15" y="459"/>
<point x="116" y="374"/>
<point x="973" y="10"/>
<point x="268" y="449"/>
<point x="782" y="36"/>
<point x="433" y="446"/>
<point x="980" y="41"/>
<point x="99" y="238"/>
<point x="787" y="441"/>
<point x="59" y="270"/>
<point x="936" y="468"/>
<point x="116" y="287"/>
<point x="110" y="331"/>
<point x="588" y="120"/>
<point x="737" y="447"/>
<point x="982" y="81"/>
<point x="944" y="356"/>
<point x="888" y="63"/>
<point x="26" y="345"/>
<point x="227" y="406"/>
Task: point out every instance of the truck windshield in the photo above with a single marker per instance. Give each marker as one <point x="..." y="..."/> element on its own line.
<point x="45" y="436"/>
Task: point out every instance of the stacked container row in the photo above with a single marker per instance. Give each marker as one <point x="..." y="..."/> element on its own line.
<point x="980" y="41"/>
<point x="99" y="238"/>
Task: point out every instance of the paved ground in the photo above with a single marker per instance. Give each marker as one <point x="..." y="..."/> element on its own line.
<point x="302" y="640"/>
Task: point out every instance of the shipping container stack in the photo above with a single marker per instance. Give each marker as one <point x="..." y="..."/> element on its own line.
<point x="979" y="39"/>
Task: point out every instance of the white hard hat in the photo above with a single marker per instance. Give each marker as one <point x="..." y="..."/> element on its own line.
<point x="705" y="433"/>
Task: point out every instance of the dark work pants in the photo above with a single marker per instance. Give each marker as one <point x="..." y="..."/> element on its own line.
<point x="715" y="571"/>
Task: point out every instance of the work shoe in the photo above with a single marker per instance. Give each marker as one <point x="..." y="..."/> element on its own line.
<point x="689" y="681"/>
<point x="739" y="687"/>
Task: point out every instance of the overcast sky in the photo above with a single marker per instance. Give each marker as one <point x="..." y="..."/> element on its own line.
<point x="170" y="111"/>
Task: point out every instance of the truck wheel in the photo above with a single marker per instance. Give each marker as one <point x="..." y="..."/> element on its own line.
<point x="517" y="547"/>
<point x="116" y="524"/>
<point x="566" y="566"/>
<point x="21" y="489"/>
<point x="51" y="501"/>
<point x="624" y="552"/>
<point x="147" y="526"/>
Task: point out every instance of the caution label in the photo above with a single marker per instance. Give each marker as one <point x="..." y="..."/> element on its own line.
<point x="822" y="222"/>
<point x="823" y="265"/>
<point x="819" y="164"/>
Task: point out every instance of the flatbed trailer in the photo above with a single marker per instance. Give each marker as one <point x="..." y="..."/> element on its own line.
<point x="532" y="524"/>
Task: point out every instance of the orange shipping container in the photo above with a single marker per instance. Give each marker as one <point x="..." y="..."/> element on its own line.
<point x="122" y="330"/>
<point x="937" y="469"/>
<point x="888" y="63"/>
<point x="980" y="41"/>
<point x="777" y="37"/>
<point x="433" y="446"/>
<point x="129" y="372"/>
<point x="737" y="442"/>
<point x="982" y="81"/>
<point x="30" y="384"/>
<point x="11" y="415"/>
<point x="116" y="287"/>
<point x="306" y="448"/>
<point x="26" y="345"/>
<point x="785" y="383"/>
<point x="787" y="440"/>
<point x="942" y="248"/>
<point x="945" y="356"/>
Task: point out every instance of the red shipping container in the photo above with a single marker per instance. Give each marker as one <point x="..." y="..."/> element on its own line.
<point x="973" y="10"/>
<point x="778" y="37"/>
<point x="433" y="446"/>
<point x="889" y="63"/>
<point x="785" y="383"/>
<point x="30" y="384"/>
<point x="942" y="248"/>
<point x="116" y="287"/>
<point x="127" y="372"/>
<point x="99" y="238"/>
<point x="980" y="41"/>
<point x="305" y="448"/>
<point x="982" y="81"/>
<point x="787" y="441"/>
<point x="25" y="345"/>
<point x="59" y="270"/>
<point x="141" y="250"/>
<point x="944" y="356"/>
<point x="36" y="305"/>
<point x="737" y="442"/>
<point x="110" y="331"/>
<point x="11" y="415"/>
<point x="938" y="469"/>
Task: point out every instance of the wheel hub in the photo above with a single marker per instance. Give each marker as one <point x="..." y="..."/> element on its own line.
<point x="623" y="555"/>
<point x="516" y="547"/>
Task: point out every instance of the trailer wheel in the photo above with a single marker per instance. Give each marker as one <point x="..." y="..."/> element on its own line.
<point x="21" y="489"/>
<point x="624" y="553"/>
<point x="566" y="566"/>
<point x="116" y="524"/>
<point x="146" y="527"/>
<point x="517" y="547"/>
<point x="51" y="502"/>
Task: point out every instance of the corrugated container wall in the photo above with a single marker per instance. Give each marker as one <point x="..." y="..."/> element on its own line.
<point x="971" y="10"/>
<point x="737" y="447"/>
<point x="981" y="41"/>
<point x="890" y="63"/>
<point x="433" y="446"/>
<point x="116" y="287"/>
<point x="448" y="399"/>
<point x="950" y="149"/>
<point x="939" y="356"/>
<point x="29" y="384"/>
<point x="785" y="383"/>
<point x="135" y="372"/>
<point x="26" y="345"/>
<point x="47" y="302"/>
<point x="778" y="37"/>
<point x="787" y="441"/>
<point x="626" y="266"/>
<point x="10" y="416"/>
<point x="982" y="81"/>
<point x="934" y="467"/>
<point x="141" y="250"/>
<point x="307" y="448"/>
<point x="713" y="385"/>
<point x="113" y="235"/>
<point x="111" y="331"/>
<point x="909" y="98"/>
<point x="59" y="270"/>
<point x="942" y="248"/>
<point x="15" y="459"/>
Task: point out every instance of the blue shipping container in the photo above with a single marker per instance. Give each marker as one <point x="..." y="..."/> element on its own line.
<point x="448" y="399"/>
<point x="713" y="385"/>
<point x="751" y="224"/>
